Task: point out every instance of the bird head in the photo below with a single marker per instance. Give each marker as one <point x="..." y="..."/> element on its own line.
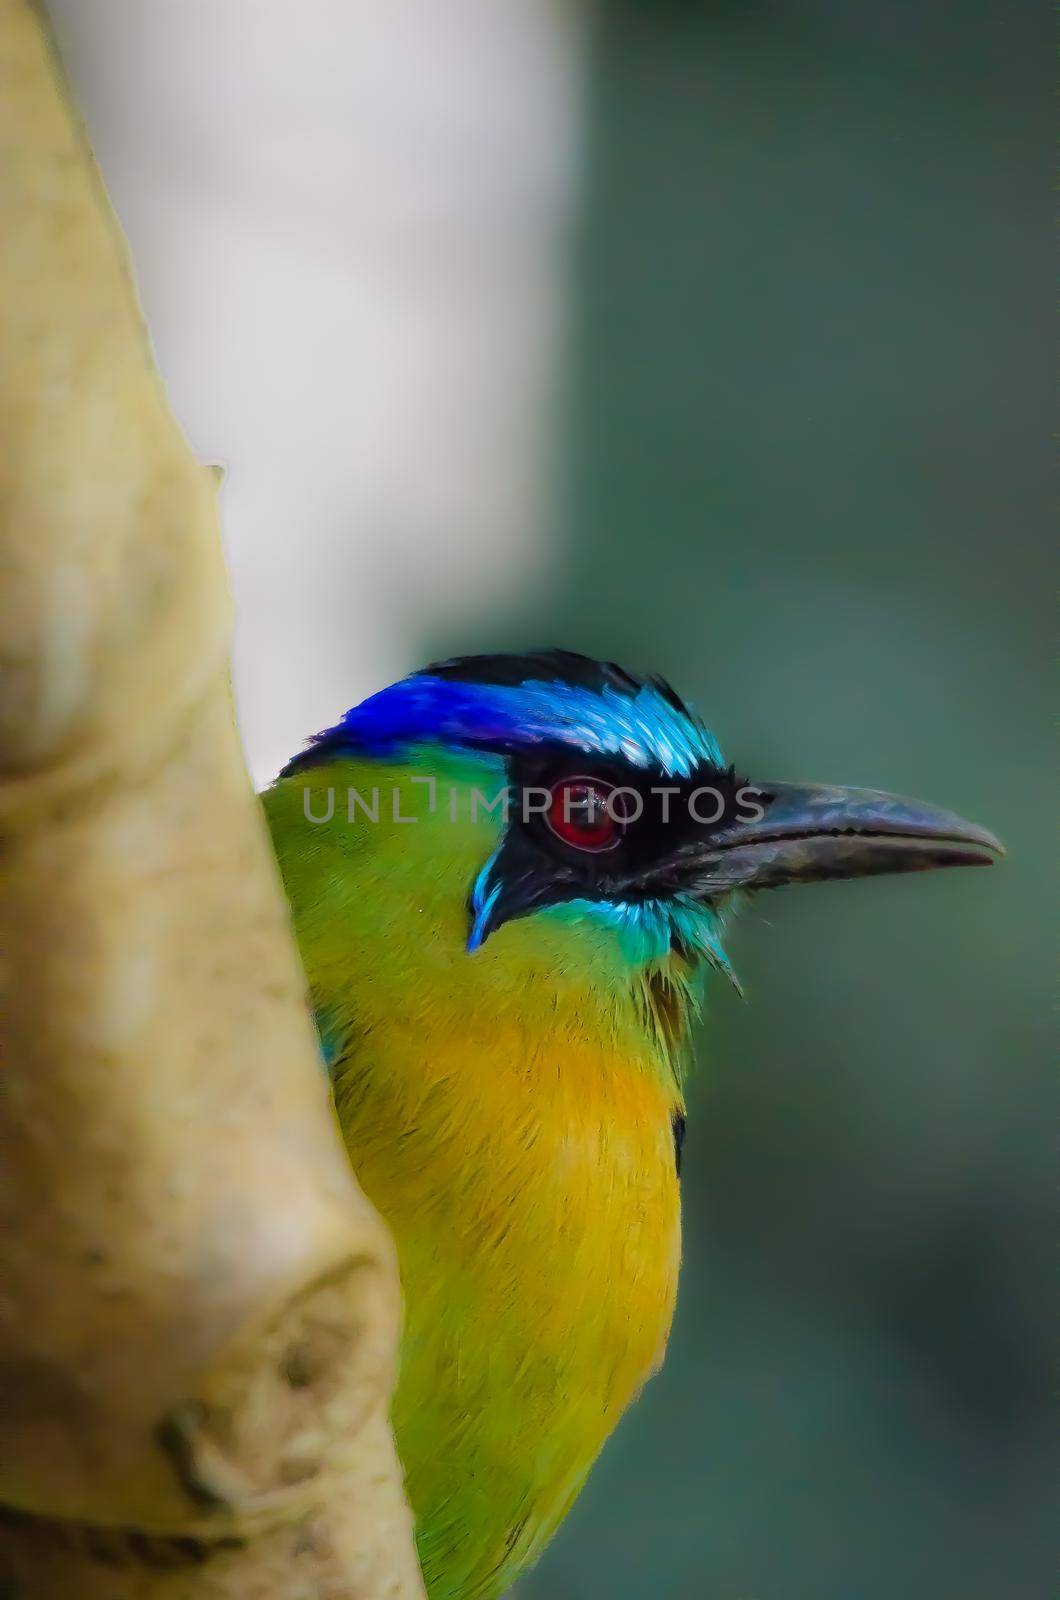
<point x="589" y="794"/>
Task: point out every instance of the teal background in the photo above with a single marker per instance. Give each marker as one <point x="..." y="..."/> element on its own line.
<point x="806" y="447"/>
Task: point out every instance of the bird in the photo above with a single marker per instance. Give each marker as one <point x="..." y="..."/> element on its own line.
<point x="509" y="877"/>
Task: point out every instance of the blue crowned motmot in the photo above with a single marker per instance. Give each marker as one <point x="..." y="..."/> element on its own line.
<point x="508" y="878"/>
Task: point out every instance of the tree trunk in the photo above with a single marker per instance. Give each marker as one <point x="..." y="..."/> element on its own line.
<point x="200" y="1309"/>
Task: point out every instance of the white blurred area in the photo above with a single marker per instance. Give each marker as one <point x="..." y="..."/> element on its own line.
<point x="349" y="222"/>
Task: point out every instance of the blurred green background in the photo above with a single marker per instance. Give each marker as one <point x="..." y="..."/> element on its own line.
<point x="805" y="463"/>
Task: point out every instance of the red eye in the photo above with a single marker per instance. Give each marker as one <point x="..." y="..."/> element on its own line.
<point x="580" y="814"/>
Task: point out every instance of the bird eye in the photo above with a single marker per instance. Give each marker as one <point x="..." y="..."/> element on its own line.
<point x="580" y="813"/>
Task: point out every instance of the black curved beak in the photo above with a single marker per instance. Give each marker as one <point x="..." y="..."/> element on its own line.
<point x="807" y="832"/>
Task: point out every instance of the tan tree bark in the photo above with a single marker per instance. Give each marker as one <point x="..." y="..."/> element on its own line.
<point x="198" y="1308"/>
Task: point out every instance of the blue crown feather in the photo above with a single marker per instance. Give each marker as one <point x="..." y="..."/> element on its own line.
<point x="642" y="722"/>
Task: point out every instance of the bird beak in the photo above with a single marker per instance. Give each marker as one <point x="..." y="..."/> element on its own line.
<point x="808" y="832"/>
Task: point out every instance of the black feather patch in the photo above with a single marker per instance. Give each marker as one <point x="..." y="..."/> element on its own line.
<point x="678" y="1124"/>
<point x="549" y="666"/>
